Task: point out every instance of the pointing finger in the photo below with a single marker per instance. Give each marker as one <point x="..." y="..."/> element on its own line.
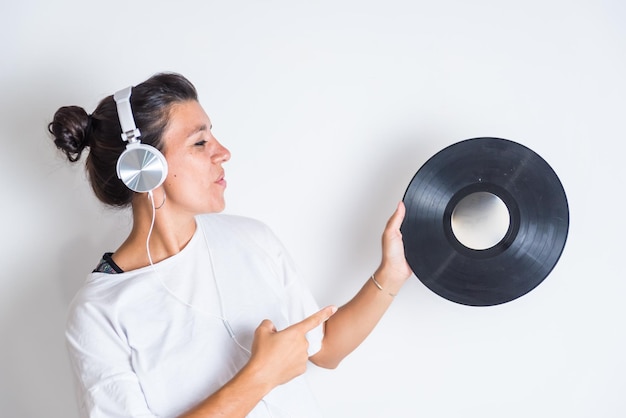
<point x="316" y="319"/>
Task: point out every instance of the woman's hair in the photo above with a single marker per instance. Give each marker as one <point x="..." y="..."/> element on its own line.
<point x="74" y="130"/>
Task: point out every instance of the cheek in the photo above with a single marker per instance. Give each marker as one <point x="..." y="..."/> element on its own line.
<point x="178" y="171"/>
<point x="177" y="182"/>
<point x="171" y="179"/>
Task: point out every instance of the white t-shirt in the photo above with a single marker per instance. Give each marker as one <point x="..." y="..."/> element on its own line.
<point x="152" y="343"/>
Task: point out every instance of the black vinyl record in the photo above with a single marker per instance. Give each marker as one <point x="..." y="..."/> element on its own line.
<point x="525" y="250"/>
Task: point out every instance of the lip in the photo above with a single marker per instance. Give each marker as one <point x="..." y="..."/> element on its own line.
<point x="221" y="180"/>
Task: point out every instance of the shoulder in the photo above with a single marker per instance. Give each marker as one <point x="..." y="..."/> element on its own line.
<point x="103" y="296"/>
<point x="89" y="313"/>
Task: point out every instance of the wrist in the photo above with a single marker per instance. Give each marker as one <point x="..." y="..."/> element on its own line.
<point x="380" y="286"/>
<point x="388" y="280"/>
<point x="254" y="376"/>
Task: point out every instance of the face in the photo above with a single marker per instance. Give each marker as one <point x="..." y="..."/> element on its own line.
<point x="195" y="181"/>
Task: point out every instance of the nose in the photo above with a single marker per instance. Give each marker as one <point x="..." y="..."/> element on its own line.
<point x="221" y="154"/>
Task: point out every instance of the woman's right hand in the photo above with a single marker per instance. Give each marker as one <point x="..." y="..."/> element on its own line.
<point x="276" y="358"/>
<point x="279" y="356"/>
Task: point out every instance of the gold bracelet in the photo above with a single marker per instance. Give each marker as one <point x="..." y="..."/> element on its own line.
<point x="380" y="287"/>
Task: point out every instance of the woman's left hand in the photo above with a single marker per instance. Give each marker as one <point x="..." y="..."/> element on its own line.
<point x="394" y="265"/>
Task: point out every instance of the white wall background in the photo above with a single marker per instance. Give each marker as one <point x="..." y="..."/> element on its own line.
<point x="329" y="108"/>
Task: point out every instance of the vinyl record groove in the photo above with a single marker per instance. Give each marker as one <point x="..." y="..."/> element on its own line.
<point x="459" y="240"/>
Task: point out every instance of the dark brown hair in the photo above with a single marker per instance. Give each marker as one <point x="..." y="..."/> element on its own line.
<point x="74" y="130"/>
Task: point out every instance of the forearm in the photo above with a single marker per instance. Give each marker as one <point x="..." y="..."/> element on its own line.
<point x="355" y="320"/>
<point x="236" y="398"/>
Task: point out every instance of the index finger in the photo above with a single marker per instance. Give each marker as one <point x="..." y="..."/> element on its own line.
<point x="315" y="320"/>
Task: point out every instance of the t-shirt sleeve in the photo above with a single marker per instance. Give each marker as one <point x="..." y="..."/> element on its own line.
<point x="106" y="383"/>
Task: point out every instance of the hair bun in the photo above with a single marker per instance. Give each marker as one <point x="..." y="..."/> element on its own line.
<point x="71" y="128"/>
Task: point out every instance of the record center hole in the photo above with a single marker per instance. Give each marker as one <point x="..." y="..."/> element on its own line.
<point x="480" y="220"/>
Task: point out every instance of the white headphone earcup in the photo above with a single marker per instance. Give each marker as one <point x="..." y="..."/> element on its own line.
<point x="142" y="168"/>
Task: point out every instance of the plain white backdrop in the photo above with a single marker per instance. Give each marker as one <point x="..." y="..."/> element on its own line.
<point x="329" y="108"/>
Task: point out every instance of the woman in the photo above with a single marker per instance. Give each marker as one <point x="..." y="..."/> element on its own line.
<point x="197" y="313"/>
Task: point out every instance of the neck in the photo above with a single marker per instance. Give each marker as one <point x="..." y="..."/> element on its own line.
<point x="170" y="234"/>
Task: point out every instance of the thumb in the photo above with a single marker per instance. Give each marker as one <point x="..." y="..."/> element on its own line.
<point x="267" y="326"/>
<point x="395" y="222"/>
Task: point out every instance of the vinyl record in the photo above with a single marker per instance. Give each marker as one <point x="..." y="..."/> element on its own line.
<point x="486" y="221"/>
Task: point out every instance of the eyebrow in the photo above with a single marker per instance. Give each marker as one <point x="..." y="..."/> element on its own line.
<point x="200" y="128"/>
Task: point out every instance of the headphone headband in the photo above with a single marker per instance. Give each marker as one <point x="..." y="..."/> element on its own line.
<point x="130" y="133"/>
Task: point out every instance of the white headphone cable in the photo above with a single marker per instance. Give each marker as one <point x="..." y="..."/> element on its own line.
<point x="222" y="316"/>
<point x="217" y="287"/>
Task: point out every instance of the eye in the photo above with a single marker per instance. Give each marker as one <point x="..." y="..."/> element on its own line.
<point x="200" y="143"/>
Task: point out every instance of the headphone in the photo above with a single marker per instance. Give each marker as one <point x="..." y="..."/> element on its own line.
<point x="141" y="167"/>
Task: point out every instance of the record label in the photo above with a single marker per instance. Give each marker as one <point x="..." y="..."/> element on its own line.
<point x="486" y="221"/>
